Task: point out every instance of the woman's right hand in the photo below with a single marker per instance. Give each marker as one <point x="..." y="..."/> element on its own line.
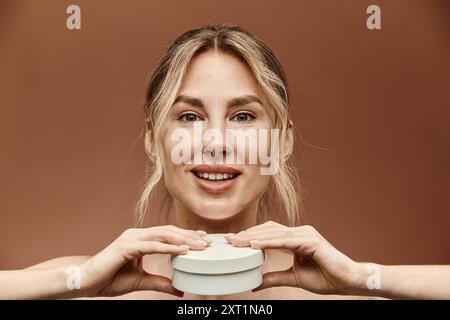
<point x="118" y="269"/>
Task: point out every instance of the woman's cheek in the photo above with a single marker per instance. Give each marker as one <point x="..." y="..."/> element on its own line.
<point x="255" y="181"/>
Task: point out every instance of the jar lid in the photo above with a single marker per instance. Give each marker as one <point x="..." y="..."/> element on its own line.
<point x="218" y="257"/>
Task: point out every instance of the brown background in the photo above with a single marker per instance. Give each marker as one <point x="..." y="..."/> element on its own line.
<point x="373" y="108"/>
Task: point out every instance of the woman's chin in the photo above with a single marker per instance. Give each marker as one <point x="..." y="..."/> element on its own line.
<point x="215" y="214"/>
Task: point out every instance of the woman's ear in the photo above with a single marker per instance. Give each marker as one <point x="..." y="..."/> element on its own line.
<point x="148" y="139"/>
<point x="148" y="143"/>
<point x="289" y="143"/>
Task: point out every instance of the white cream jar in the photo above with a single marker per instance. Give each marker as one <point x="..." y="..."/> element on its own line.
<point x="219" y="269"/>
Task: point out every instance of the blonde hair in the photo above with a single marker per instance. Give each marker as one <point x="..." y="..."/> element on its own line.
<point x="282" y="195"/>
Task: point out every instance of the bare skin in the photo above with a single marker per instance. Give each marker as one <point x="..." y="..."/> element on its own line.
<point x="274" y="260"/>
<point x="221" y="92"/>
<point x="120" y="272"/>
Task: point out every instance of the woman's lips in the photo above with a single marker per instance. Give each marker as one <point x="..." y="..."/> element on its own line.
<point x="215" y="178"/>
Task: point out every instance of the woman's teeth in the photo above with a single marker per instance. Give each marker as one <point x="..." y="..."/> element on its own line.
<point x="214" y="176"/>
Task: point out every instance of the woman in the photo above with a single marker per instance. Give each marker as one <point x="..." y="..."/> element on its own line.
<point x="221" y="78"/>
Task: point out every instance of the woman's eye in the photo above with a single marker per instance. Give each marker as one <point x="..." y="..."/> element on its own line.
<point x="189" y="117"/>
<point x="243" y="116"/>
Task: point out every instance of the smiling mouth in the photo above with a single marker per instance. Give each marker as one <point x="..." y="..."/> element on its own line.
<point x="215" y="178"/>
<point x="211" y="176"/>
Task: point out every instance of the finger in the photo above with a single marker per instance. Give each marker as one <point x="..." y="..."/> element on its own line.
<point x="300" y="244"/>
<point x="270" y="225"/>
<point x="190" y="233"/>
<point x="227" y="236"/>
<point x="141" y="248"/>
<point x="230" y="236"/>
<point x="203" y="233"/>
<point x="174" y="237"/>
<point x="265" y="225"/>
<point x="243" y="240"/>
<point x="158" y="283"/>
<point x="198" y="234"/>
<point x="283" y="278"/>
<point x="301" y="230"/>
<point x="193" y="233"/>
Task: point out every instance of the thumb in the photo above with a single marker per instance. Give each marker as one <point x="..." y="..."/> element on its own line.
<point x="158" y="283"/>
<point x="283" y="278"/>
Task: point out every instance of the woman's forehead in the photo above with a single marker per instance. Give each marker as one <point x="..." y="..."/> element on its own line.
<point x="216" y="72"/>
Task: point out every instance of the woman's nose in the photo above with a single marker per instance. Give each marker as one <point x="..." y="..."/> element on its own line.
<point x="215" y="144"/>
<point x="217" y="152"/>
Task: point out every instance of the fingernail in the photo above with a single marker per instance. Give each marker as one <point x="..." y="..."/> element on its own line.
<point x="201" y="242"/>
<point x="254" y="242"/>
<point x="202" y="232"/>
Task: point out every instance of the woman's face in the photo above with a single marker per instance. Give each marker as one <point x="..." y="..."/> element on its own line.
<point x="218" y="92"/>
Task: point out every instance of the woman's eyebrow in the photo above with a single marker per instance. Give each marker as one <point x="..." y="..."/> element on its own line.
<point x="235" y="102"/>
<point x="244" y="100"/>
<point x="189" y="100"/>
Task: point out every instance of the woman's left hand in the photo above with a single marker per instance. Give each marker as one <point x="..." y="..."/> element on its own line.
<point x="317" y="267"/>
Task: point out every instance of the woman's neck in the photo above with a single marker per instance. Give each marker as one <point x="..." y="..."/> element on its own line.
<point x="243" y="220"/>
